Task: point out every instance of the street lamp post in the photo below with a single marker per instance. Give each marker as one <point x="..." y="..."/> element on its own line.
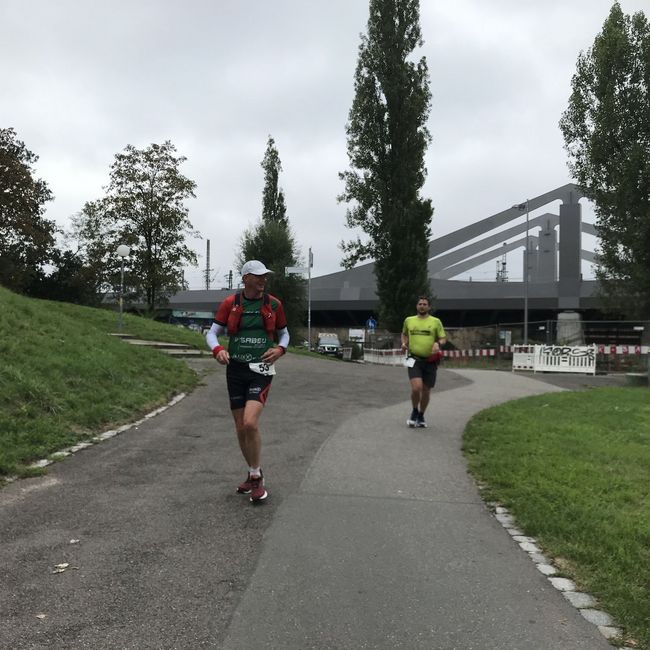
<point x="123" y="251"/>
<point x="310" y="263"/>
<point x="525" y="206"/>
<point x="300" y="270"/>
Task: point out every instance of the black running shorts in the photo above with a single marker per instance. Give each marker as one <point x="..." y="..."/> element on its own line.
<point x="425" y="371"/>
<point x="244" y="384"/>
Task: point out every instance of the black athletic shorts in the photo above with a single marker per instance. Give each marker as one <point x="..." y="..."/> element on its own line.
<point x="245" y="385"/>
<point x="425" y="371"/>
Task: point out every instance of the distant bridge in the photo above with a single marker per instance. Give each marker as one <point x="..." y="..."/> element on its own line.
<point x="554" y="265"/>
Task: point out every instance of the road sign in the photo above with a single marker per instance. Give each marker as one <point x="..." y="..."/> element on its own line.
<point x="296" y="269"/>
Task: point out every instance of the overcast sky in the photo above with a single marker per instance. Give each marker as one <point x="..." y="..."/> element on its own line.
<point x="81" y="79"/>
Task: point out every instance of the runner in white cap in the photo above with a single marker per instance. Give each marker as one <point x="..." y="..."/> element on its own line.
<point x="253" y="320"/>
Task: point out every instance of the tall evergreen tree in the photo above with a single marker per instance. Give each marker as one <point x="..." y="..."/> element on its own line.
<point x="606" y="130"/>
<point x="387" y="141"/>
<point x="27" y="238"/>
<point x="272" y="242"/>
<point x="273" y="204"/>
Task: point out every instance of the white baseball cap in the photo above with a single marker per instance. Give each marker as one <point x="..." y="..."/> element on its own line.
<point x="255" y="267"/>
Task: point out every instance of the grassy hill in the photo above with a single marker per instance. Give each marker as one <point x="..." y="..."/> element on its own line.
<point x="63" y="377"/>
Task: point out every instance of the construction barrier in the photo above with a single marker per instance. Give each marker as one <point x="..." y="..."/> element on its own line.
<point x="555" y="358"/>
<point x="538" y="358"/>
<point x="564" y="358"/>
<point x="623" y="349"/>
<point x="600" y="348"/>
<point x="396" y="357"/>
<point x="523" y="357"/>
<point x="456" y="354"/>
<point x="393" y="357"/>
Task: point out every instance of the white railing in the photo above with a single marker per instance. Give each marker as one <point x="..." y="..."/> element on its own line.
<point x="393" y="357"/>
<point x="555" y="358"/>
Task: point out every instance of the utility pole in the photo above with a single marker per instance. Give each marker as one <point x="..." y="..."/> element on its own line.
<point x="502" y="272"/>
<point x="208" y="270"/>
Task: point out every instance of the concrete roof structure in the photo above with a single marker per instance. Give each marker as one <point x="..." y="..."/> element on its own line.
<point x="554" y="253"/>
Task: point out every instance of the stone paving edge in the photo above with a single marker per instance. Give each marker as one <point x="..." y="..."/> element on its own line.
<point x="100" y="437"/>
<point x="583" y="602"/>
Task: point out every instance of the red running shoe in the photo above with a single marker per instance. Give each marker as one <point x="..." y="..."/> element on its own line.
<point x="246" y="486"/>
<point x="258" y="492"/>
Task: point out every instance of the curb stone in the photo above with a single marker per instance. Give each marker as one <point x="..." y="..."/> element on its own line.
<point x="106" y="435"/>
<point x="583" y="602"/>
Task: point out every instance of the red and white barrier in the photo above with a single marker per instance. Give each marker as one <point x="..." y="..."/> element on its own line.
<point x="455" y="354"/>
<point x="396" y="357"/>
<point x="601" y="349"/>
<point x="623" y="349"/>
<point x="522" y="355"/>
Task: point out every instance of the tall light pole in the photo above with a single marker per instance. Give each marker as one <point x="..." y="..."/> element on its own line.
<point x="525" y="206"/>
<point x="300" y="270"/>
<point x="310" y="263"/>
<point x="123" y="251"/>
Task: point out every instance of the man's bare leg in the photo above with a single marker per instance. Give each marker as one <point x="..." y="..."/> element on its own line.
<point x="248" y="432"/>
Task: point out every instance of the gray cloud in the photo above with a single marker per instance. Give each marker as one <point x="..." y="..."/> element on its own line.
<point x="81" y="80"/>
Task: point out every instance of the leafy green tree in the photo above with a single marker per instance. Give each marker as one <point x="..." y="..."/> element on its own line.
<point x="144" y="207"/>
<point x="27" y="238"/>
<point x="387" y="140"/>
<point x="606" y="129"/>
<point x="88" y="267"/>
<point x="94" y="236"/>
<point x="71" y="280"/>
<point x="272" y="242"/>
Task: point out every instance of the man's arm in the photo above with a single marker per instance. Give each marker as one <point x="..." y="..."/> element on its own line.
<point x="218" y="351"/>
<point x="439" y="343"/>
<point x="273" y="354"/>
<point x="405" y="341"/>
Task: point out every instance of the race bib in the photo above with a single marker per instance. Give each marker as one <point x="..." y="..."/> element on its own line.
<point x="410" y="362"/>
<point x="262" y="368"/>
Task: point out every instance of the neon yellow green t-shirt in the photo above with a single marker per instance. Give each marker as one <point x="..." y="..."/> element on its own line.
<point x="422" y="333"/>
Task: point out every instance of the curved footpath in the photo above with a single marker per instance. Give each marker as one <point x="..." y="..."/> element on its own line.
<point x="374" y="535"/>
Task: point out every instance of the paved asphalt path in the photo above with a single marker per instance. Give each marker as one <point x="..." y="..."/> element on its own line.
<point x="374" y="536"/>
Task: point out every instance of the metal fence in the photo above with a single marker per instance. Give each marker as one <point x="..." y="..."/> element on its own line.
<point x="620" y="346"/>
<point x="552" y="332"/>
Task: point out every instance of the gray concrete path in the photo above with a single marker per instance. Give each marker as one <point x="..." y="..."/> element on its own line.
<point x="374" y="535"/>
<point x="387" y="544"/>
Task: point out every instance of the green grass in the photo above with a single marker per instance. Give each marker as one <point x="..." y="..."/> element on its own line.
<point x="574" y="470"/>
<point x="63" y="377"/>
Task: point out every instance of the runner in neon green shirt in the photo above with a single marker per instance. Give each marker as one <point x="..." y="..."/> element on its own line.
<point x="422" y="336"/>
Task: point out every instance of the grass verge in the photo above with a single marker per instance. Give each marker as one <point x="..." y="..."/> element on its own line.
<point x="574" y="469"/>
<point x="63" y="377"/>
